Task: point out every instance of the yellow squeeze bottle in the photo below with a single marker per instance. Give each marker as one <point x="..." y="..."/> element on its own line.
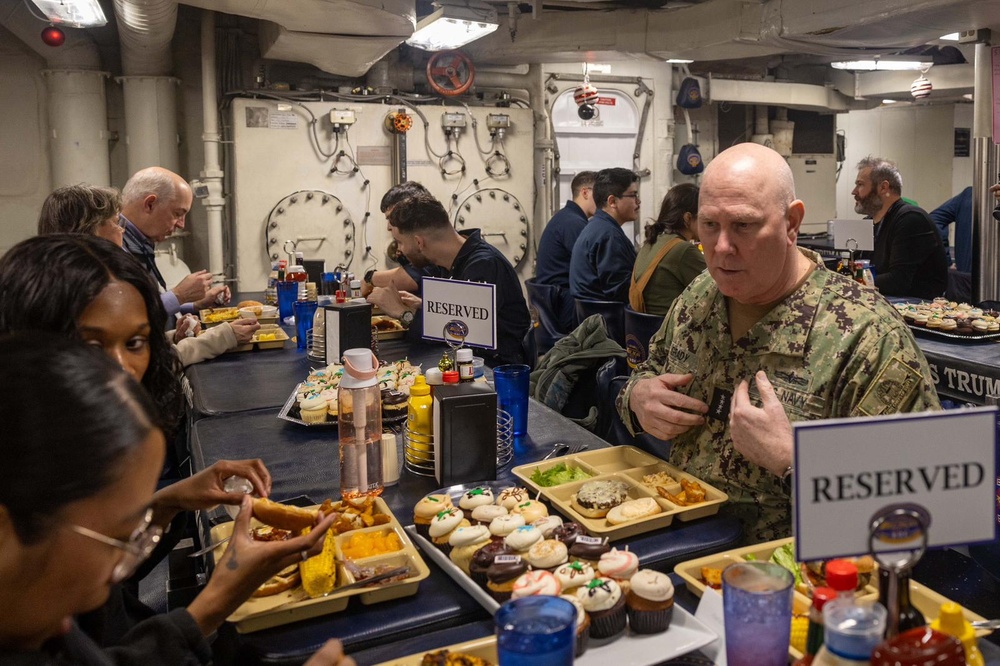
<point x="951" y="621"/>
<point x="419" y="425"/>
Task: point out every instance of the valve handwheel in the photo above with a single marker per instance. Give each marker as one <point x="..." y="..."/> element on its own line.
<point x="450" y="73"/>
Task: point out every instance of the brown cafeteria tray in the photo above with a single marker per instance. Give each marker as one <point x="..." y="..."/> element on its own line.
<point x="627" y="464"/>
<point x="286" y="607"/>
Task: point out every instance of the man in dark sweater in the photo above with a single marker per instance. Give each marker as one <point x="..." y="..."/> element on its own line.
<point x="421" y="228"/>
<point x="909" y="258"/>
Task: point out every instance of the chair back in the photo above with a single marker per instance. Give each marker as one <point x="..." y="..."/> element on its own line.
<point x="639" y="328"/>
<point x="544" y="298"/>
<point x="613" y="313"/>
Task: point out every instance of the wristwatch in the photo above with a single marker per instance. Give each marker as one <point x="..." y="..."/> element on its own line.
<point x="406" y="318"/>
<point x="786" y="479"/>
<point x="368" y="277"/>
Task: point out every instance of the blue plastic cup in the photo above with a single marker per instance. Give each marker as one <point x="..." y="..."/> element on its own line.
<point x="511" y="383"/>
<point x="288" y="292"/>
<point x="536" y="631"/>
<point x="757" y="612"/>
<point x="304" y="311"/>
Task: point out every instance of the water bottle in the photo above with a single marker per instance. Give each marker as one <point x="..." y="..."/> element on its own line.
<point x="360" y="426"/>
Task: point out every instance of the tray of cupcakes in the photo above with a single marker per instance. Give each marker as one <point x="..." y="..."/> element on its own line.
<point x="620" y="491"/>
<point x="499" y="544"/>
<point x="314" y="401"/>
<point x="950" y="319"/>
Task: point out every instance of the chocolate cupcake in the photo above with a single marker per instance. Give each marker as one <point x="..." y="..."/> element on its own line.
<point x="588" y="549"/>
<point x="649" y="602"/>
<point x="567" y="533"/>
<point x="502" y="574"/>
<point x="483" y="558"/>
<point x="604" y="602"/>
<point x="394" y="407"/>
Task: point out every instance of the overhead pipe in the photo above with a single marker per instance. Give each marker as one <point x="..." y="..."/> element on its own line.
<point x="212" y="173"/>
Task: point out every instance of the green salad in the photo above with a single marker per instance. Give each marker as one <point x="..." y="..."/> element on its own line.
<point x="558" y="475"/>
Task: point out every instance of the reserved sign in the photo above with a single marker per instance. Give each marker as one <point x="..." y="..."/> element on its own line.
<point x="846" y="470"/>
<point x="471" y="303"/>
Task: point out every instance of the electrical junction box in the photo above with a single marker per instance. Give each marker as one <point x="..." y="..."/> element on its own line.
<point x="343" y="117"/>
<point x="498" y="121"/>
<point x="450" y="120"/>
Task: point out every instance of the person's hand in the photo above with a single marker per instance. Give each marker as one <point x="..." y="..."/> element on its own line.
<point x="206" y="488"/>
<point x="214" y="297"/>
<point x="331" y="654"/>
<point x="188" y="326"/>
<point x="762" y="434"/>
<point x="244" y="329"/>
<point x="661" y="410"/>
<point x="390" y="300"/>
<point x="410" y="301"/>
<point x="247" y="564"/>
<point x="366" y="288"/>
<point x="193" y="287"/>
<point x="995" y="189"/>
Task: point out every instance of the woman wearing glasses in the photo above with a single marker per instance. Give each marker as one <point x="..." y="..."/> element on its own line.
<point x="76" y="498"/>
<point x="84" y="288"/>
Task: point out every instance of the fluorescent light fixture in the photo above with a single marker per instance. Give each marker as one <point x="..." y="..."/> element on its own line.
<point x="454" y="25"/>
<point x="889" y="101"/>
<point x="950" y="37"/>
<point x="73" y="13"/>
<point x="886" y="63"/>
<point x="678" y="61"/>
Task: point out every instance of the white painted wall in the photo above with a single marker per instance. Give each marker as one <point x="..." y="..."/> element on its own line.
<point x="919" y="138"/>
<point x="24" y="163"/>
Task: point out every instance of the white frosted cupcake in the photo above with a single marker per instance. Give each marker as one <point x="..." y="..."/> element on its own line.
<point x="534" y="584"/>
<point x="547" y="554"/>
<point x="313" y="409"/>
<point x="485" y="514"/>
<point x="582" y="623"/>
<point x="508" y="498"/>
<point x="531" y="510"/>
<point x="650" y="602"/>
<point x="464" y="542"/>
<point x="619" y="565"/>
<point x="522" y="538"/>
<point x="547" y="525"/>
<point x="574" y="574"/>
<point x="501" y="526"/>
<point x="473" y="498"/>
<point x="443" y="524"/>
<point x="603" y="600"/>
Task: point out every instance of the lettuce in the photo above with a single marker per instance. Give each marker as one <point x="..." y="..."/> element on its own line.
<point x="785" y="557"/>
<point x="558" y="475"/>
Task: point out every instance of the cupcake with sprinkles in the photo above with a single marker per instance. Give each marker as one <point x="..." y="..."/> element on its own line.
<point x="473" y="498"/>
<point x="444" y="523"/>
<point x="426" y="509"/>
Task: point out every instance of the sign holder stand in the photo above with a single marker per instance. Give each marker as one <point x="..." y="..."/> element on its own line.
<point x="902" y="530"/>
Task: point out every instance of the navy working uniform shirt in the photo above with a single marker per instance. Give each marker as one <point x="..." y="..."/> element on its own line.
<point x="554" y="252"/>
<point x="603" y="257"/>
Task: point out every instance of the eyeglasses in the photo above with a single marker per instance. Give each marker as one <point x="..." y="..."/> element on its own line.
<point x="634" y="195"/>
<point x="138" y="547"/>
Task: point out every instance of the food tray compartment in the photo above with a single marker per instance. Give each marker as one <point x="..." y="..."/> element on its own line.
<point x="348" y="546"/>
<point x="545" y="465"/>
<point x="617" y="459"/>
<point x="291" y="606"/>
<point x="279" y="337"/>
<point x="214" y="316"/>
<point x="637" y="473"/>
<point x="562" y="496"/>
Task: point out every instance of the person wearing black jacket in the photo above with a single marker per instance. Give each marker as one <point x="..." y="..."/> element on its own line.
<point x="909" y="258"/>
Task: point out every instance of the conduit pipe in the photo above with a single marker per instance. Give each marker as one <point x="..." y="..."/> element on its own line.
<point x="985" y="163"/>
<point x="211" y="175"/>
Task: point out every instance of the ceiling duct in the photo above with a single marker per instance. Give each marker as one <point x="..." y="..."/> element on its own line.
<point x="145" y="28"/>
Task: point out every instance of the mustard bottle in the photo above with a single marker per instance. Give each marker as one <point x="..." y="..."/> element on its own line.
<point x="419" y="424"/>
<point x="951" y="621"/>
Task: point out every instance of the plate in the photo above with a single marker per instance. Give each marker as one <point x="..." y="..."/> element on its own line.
<point x="289" y="606"/>
<point x="926" y="600"/>
<point x="628" y="465"/>
<point x="955" y="336"/>
<point x="686" y="634"/>
<point x="290" y="412"/>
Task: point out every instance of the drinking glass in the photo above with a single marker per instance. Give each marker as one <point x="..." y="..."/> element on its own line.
<point x="536" y="631"/>
<point x="511" y="383"/>
<point x="304" y="313"/>
<point x="288" y="292"/>
<point x="757" y="612"/>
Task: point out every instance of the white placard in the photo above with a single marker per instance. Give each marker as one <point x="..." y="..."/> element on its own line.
<point x="472" y="303"/>
<point x="847" y="469"/>
<point x="853" y="234"/>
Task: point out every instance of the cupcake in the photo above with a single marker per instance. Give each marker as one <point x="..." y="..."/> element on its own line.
<point x="464" y="542"/>
<point x="535" y="584"/>
<point x="568" y="532"/>
<point x="574" y="574"/>
<point x="483" y="558"/>
<point x="511" y="497"/>
<point x="604" y="602"/>
<point x="531" y="510"/>
<point x="502" y="574"/>
<point x="523" y="538"/>
<point x="446" y="522"/>
<point x="473" y="498"/>
<point x="394" y="407"/>
<point x="313" y="409"/>
<point x="501" y="526"/>
<point x="589" y="549"/>
<point x="619" y="565"/>
<point x="650" y="602"/>
<point x="426" y="509"/>
<point x="484" y="515"/>
<point x="547" y="525"/>
<point x="582" y="624"/>
<point x="548" y="554"/>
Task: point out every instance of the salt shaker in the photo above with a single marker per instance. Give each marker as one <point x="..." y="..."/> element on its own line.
<point x="390" y="459"/>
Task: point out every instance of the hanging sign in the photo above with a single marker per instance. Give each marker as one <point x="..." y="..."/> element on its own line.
<point x="455" y="308"/>
<point x="848" y="470"/>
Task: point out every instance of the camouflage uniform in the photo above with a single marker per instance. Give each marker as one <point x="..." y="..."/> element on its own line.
<point x="831" y="349"/>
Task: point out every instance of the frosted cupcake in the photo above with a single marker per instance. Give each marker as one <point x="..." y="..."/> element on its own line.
<point x="650" y="602"/>
<point x="508" y="498"/>
<point x="531" y="510"/>
<point x="473" y="498"/>
<point x="484" y="515"/>
<point x="619" y="565"/>
<point x="501" y="526"/>
<point x="574" y="574"/>
<point x="444" y="523"/>
<point x="313" y="409"/>
<point x="426" y="509"/>
<point x="603" y="600"/>
<point x="523" y="538"/>
<point x="548" y="555"/>
<point x="548" y="525"/>
<point x="502" y="574"/>
<point x="534" y="584"/>
<point x="464" y="542"/>
<point x="582" y="624"/>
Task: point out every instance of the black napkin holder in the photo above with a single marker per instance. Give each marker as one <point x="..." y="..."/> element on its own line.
<point x="465" y="433"/>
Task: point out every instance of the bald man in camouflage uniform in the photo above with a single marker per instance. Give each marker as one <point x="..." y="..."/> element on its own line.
<point x="817" y="345"/>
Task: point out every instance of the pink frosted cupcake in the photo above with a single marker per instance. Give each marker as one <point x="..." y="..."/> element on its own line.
<point x="536" y="583"/>
<point x="619" y="565"/>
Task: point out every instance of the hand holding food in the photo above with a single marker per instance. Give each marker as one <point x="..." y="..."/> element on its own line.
<point x="193" y="287"/>
<point x="284" y="516"/>
<point x="217" y="295"/>
<point x="244" y="329"/>
<point x="661" y="410"/>
<point x="207" y="488"/>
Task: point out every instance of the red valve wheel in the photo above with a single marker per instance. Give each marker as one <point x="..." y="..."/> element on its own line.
<point x="450" y="73"/>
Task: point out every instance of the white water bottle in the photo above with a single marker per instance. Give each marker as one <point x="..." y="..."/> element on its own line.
<point x="360" y="426"/>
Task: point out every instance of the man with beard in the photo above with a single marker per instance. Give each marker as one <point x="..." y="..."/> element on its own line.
<point x="764" y="337"/>
<point x="909" y="258"/>
<point x="420" y="226"/>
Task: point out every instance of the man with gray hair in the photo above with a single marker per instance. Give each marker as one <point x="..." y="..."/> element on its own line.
<point x="155" y="202"/>
<point x="909" y="258"/>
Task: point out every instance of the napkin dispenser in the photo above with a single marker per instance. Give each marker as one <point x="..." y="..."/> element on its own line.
<point x="346" y="326"/>
<point x="465" y="433"/>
